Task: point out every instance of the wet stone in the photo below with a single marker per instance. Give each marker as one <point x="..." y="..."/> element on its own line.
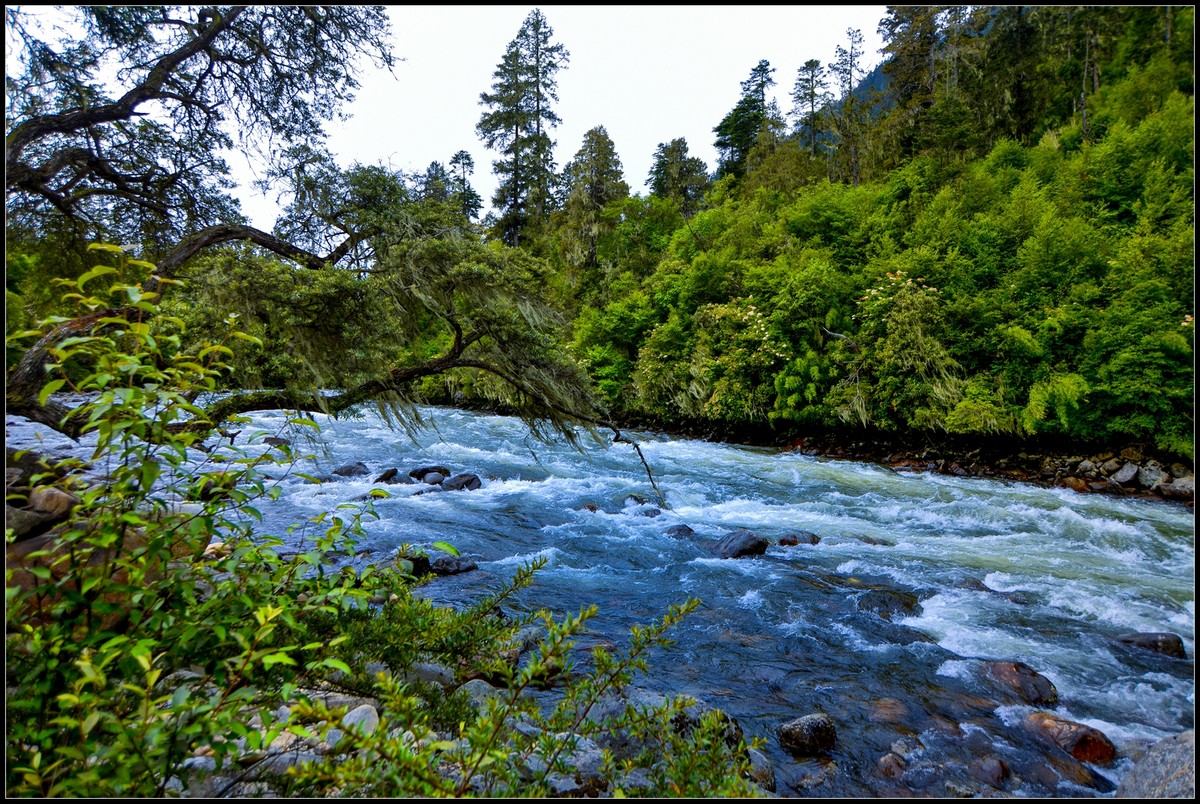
<point x="1164" y="643"/>
<point x="808" y="735"/>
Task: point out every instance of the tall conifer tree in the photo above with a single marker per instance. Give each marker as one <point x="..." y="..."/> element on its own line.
<point x="517" y="123"/>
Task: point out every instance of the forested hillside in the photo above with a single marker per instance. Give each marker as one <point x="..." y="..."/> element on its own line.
<point x="993" y="233"/>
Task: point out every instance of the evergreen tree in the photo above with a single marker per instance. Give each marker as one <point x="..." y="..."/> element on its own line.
<point x="809" y="96"/>
<point x="462" y="193"/>
<point x="679" y="177"/>
<point x="850" y="121"/>
<point x="594" y="181"/>
<point x="434" y="185"/>
<point x="518" y="123"/>
<point x="738" y="131"/>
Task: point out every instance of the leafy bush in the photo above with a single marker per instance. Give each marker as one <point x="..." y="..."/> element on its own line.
<point x="151" y="631"/>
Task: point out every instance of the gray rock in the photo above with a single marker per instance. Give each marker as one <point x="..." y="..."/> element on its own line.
<point x="679" y="532"/>
<point x="276" y="441"/>
<point x="451" y="565"/>
<point x="1151" y="475"/>
<point x="1168" y="770"/>
<point x="1110" y="466"/>
<point x="1125" y="474"/>
<point x="479" y="692"/>
<point x="808" y="735"/>
<point x="352" y="469"/>
<point x="433" y="478"/>
<point x="431" y="673"/>
<point x="761" y="770"/>
<point x="24" y="522"/>
<point x="741" y="543"/>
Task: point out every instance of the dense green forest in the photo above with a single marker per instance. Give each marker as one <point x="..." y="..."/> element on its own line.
<point x="992" y="233"/>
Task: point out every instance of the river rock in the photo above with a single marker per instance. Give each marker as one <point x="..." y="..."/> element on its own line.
<point x="679" y="532"/>
<point x="741" y="543"/>
<point x="761" y="770"/>
<point x="1167" y="770"/>
<point x="1125" y="474"/>
<point x="887" y="603"/>
<point x="990" y="770"/>
<point x="1164" y="643"/>
<point x="451" y="565"/>
<point x="388" y="476"/>
<point x="276" y="441"/>
<point x="1183" y="488"/>
<point x="1018" y="677"/>
<point x="808" y="735"/>
<point x="421" y="471"/>
<point x="356" y="469"/>
<point x="463" y="482"/>
<point x="891" y="766"/>
<point x="799" y="537"/>
<point x="1082" y="742"/>
<point x="25" y="523"/>
<point x="53" y="501"/>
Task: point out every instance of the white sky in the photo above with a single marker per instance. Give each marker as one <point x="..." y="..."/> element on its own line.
<point x="648" y="74"/>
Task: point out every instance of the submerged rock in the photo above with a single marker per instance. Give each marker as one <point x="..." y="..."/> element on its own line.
<point x="355" y="469"/>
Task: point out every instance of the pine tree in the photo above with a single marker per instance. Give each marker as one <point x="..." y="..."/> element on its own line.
<point x="518" y="125"/>
<point x="679" y="177"/>
<point x="809" y="97"/>
<point x="850" y="120"/>
<point x="461" y="192"/>
<point x="738" y="131"/>
<point x="594" y="181"/>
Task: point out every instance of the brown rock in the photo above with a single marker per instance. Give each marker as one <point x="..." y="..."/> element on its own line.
<point x="1082" y="742"/>
<point x="1166" y="644"/>
<point x="1023" y="680"/>
<point x="53" y="501"/>
<point x="808" y="735"/>
<point x="889" y="710"/>
<point x="990" y="770"/>
<point x="1075" y="483"/>
<point x="891" y="766"/>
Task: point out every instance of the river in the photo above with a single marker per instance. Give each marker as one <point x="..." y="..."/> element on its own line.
<point x="883" y="624"/>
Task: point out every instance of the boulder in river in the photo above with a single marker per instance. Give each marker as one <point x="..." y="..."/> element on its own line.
<point x="740" y="543"/>
<point x="1167" y="770"/>
<point x="1018" y="677"/>
<point x="451" y="565"/>
<point x="679" y="532"/>
<point x="463" y="482"/>
<point x="355" y="469"/>
<point x="421" y="472"/>
<point x="1164" y="643"/>
<point x="1082" y="742"/>
<point x="799" y="537"/>
<point x="808" y="735"/>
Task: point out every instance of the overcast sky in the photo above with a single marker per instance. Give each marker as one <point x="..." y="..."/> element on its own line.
<point x="648" y="74"/>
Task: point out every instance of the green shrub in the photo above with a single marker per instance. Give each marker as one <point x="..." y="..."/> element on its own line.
<point x="132" y="649"/>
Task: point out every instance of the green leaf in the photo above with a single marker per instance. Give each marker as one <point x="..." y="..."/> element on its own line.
<point x="48" y="389"/>
<point x="272" y="659"/>
<point x="99" y="270"/>
<point x="445" y="547"/>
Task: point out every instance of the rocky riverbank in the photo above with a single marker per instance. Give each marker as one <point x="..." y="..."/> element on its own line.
<point x="1134" y="469"/>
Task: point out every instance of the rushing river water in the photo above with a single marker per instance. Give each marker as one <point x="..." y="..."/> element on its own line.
<point x="916" y="581"/>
